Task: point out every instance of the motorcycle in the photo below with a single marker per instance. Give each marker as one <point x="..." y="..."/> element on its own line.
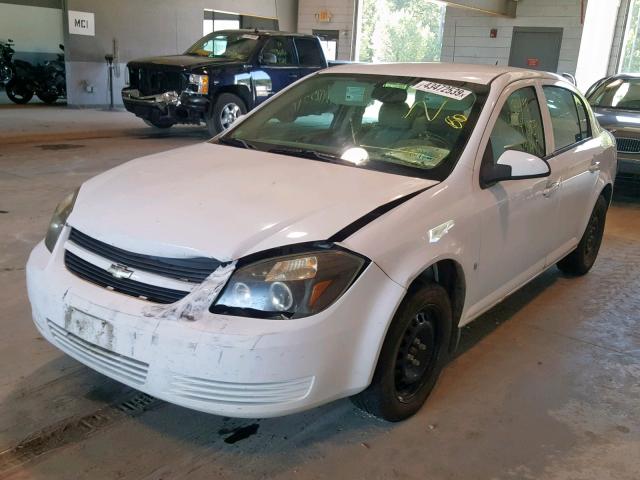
<point x="47" y="81"/>
<point x="6" y="67"/>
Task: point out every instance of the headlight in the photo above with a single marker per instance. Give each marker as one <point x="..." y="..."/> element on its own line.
<point x="59" y="219"/>
<point x="201" y="82"/>
<point x="291" y="286"/>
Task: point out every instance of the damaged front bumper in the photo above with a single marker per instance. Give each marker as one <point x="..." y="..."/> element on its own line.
<point x="173" y="107"/>
<point x="233" y="366"/>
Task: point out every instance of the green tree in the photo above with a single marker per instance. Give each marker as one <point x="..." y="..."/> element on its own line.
<point x="401" y="30"/>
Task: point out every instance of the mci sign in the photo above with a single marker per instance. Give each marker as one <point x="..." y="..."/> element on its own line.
<point x="81" y="23"/>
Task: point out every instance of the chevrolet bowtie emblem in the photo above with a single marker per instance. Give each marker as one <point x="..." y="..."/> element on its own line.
<point x="117" y="270"/>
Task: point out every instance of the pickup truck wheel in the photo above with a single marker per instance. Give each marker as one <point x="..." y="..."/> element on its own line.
<point x="159" y="123"/>
<point x="584" y="256"/>
<point x="224" y="112"/>
<point x="413" y="354"/>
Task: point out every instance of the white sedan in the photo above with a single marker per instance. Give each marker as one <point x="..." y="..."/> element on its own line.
<point x="332" y="243"/>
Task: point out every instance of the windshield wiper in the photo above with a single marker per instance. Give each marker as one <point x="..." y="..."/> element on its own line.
<point x="236" y="142"/>
<point x="305" y="153"/>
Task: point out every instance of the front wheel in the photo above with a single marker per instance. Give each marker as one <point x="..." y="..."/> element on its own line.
<point x="413" y="354"/>
<point x="584" y="256"/>
<point x="18" y="92"/>
<point x="48" y="98"/>
<point x="224" y="111"/>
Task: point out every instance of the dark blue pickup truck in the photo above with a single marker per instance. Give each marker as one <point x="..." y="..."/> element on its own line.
<point x="220" y="77"/>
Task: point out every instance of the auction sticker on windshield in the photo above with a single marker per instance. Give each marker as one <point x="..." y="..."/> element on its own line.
<point x="443" y="90"/>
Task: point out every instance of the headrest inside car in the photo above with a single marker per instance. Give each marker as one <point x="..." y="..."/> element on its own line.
<point x="389" y="94"/>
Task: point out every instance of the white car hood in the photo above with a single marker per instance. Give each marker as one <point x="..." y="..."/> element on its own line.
<point x="225" y="202"/>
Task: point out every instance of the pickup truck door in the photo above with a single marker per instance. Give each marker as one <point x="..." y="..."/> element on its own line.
<point x="277" y="68"/>
<point x="310" y="55"/>
<point x="575" y="158"/>
<point x="516" y="217"/>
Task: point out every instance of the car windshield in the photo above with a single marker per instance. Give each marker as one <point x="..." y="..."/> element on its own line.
<point x="232" y="46"/>
<point x="622" y="93"/>
<point x="404" y="125"/>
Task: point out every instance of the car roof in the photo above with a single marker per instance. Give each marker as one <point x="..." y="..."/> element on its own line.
<point x="266" y="33"/>
<point x="481" y="74"/>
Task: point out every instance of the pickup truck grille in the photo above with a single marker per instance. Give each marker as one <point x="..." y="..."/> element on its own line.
<point x="149" y="81"/>
<point x="628" y="145"/>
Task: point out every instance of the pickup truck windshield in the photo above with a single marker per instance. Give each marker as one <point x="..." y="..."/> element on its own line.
<point x="232" y="46"/>
<point x="619" y="93"/>
<point x="403" y="125"/>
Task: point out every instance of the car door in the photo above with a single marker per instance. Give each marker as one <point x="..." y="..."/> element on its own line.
<point x="515" y="216"/>
<point x="574" y="156"/>
<point x="310" y="56"/>
<point x="278" y="68"/>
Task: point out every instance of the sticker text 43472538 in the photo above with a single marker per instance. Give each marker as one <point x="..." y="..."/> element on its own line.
<point x="448" y="91"/>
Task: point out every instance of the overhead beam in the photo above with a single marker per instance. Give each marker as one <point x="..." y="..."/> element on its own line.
<point x="503" y="8"/>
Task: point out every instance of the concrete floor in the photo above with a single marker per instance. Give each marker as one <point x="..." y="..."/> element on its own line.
<point x="546" y="385"/>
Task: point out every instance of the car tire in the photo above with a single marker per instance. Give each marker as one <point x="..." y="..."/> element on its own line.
<point x="162" y="124"/>
<point x="413" y="354"/>
<point x="580" y="261"/>
<point x="17" y="92"/>
<point x="48" y="98"/>
<point x="224" y="111"/>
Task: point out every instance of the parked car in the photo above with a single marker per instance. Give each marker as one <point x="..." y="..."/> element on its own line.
<point x="330" y="243"/>
<point x="616" y="103"/>
<point x="219" y="78"/>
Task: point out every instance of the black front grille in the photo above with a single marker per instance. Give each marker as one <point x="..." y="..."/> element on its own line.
<point x="186" y="269"/>
<point x="628" y="145"/>
<point x="149" y="81"/>
<point x="101" y="277"/>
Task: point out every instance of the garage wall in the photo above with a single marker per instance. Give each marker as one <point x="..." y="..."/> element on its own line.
<point x="144" y="28"/>
<point x="342" y="19"/>
<point x="35" y="26"/>
<point x="466" y="33"/>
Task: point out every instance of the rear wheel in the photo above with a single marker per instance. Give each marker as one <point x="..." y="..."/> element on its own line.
<point x="412" y="356"/>
<point x="584" y="256"/>
<point x="18" y="92"/>
<point x="224" y="111"/>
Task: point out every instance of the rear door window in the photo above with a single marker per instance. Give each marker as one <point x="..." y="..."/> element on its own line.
<point x="309" y="52"/>
<point x="569" y="118"/>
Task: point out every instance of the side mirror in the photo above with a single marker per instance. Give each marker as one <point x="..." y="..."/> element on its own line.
<point x="515" y="165"/>
<point x="269" y="58"/>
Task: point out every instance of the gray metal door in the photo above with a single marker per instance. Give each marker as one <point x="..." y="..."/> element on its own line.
<point x="536" y="48"/>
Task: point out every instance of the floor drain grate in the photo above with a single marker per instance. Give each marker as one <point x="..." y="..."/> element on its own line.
<point x="74" y="429"/>
<point x="138" y="404"/>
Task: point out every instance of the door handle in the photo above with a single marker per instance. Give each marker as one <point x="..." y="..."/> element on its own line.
<point x="551" y="188"/>
<point x="595" y="166"/>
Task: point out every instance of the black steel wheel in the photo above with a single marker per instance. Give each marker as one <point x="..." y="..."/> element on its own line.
<point x="18" y="92"/>
<point x="580" y="261"/>
<point x="413" y="354"/>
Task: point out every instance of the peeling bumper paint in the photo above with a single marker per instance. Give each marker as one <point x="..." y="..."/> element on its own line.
<point x="234" y="366"/>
